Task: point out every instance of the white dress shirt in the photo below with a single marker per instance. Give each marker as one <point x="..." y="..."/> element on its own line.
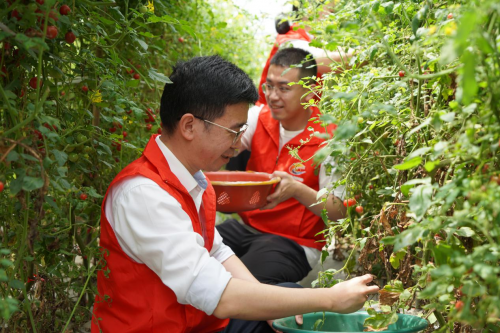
<point x="325" y="180"/>
<point x="152" y="229"/>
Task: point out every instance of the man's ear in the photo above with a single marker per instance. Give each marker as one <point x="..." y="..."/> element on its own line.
<point x="311" y="94"/>
<point x="186" y="126"/>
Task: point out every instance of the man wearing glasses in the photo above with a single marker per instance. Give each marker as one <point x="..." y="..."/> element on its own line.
<point x="164" y="267"/>
<point x="280" y="242"/>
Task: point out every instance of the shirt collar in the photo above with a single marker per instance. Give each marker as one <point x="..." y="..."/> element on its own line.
<point x="179" y="170"/>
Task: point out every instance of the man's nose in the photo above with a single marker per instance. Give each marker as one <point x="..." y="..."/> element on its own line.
<point x="273" y="94"/>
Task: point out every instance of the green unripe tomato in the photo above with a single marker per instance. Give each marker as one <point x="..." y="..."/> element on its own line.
<point x="88" y="150"/>
<point x="73" y="157"/>
<point x="143" y="9"/>
<point x="81" y="138"/>
<point x="70" y="149"/>
<point x="475" y="183"/>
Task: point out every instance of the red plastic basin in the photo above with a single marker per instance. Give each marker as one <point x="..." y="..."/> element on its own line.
<point x="239" y="191"/>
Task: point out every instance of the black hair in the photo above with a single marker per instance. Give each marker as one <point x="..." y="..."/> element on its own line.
<point x="204" y="86"/>
<point x="282" y="24"/>
<point x="296" y="58"/>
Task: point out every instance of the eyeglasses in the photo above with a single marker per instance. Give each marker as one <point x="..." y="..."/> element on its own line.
<point x="237" y="134"/>
<point x="267" y="88"/>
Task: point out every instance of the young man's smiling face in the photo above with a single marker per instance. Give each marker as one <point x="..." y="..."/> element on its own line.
<point x="284" y="100"/>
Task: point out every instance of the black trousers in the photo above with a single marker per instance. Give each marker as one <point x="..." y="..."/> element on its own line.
<point x="247" y="326"/>
<point x="270" y="258"/>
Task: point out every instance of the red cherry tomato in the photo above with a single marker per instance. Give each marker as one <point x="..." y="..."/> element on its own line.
<point x="401" y="74"/>
<point x="1" y="186"/>
<point x="148" y="127"/>
<point x="64" y="10"/>
<point x="359" y="209"/>
<point x="137" y="76"/>
<point x="34" y="82"/>
<point x="52" y="32"/>
<point x="450" y="16"/>
<point x="459" y="305"/>
<point x="70" y="37"/>
<point x="83" y="196"/>
<point x="85" y="88"/>
<point x="181" y="40"/>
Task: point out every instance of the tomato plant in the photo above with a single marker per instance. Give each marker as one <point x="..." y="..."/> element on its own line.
<point x="425" y="80"/>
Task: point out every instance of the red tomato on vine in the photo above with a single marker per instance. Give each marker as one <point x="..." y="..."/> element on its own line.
<point x="52" y="32"/>
<point x="1" y="186"/>
<point x="83" y="196"/>
<point x="70" y="37"/>
<point x="64" y="10"/>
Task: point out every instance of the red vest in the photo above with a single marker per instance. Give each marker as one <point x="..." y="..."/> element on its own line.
<point x="131" y="297"/>
<point x="299" y="34"/>
<point x="290" y="218"/>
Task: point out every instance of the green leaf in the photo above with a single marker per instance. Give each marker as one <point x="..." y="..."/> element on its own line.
<point x="465" y="232"/>
<point x="153" y="74"/>
<point x="431" y="165"/>
<point x="420" y="201"/>
<point x="405" y="188"/>
<point x="12" y="157"/>
<point x="32" y="183"/>
<point x="396" y="258"/>
<point x="164" y="18"/>
<point x="410" y="164"/>
<point x="133" y="83"/>
<point x="380" y="320"/>
<point x="60" y="156"/>
<point x="16" y="284"/>
<point x="469" y="83"/>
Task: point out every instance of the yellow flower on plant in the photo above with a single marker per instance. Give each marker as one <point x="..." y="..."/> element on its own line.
<point x="450" y="28"/>
<point x="432" y="30"/>
<point x="124" y="117"/>
<point x="151" y="6"/>
<point x="96" y="97"/>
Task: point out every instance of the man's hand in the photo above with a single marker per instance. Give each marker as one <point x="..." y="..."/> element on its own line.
<point x="298" y="319"/>
<point x="350" y="295"/>
<point x="285" y="190"/>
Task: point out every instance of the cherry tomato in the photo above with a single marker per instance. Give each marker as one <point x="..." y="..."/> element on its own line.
<point x="459" y="305"/>
<point x="64" y="10"/>
<point x="81" y="138"/>
<point x="112" y="129"/>
<point x="124" y="134"/>
<point x="1" y="186"/>
<point x="180" y="39"/>
<point x="352" y="202"/>
<point x="73" y="157"/>
<point x="63" y="93"/>
<point x="70" y="37"/>
<point x="137" y="76"/>
<point x="159" y="130"/>
<point x="40" y="2"/>
<point x="85" y="89"/>
<point x="16" y="14"/>
<point x="401" y="74"/>
<point x="450" y="16"/>
<point x="34" y="82"/>
<point x="148" y="127"/>
<point x="83" y="196"/>
<point x="359" y="209"/>
<point x="52" y="32"/>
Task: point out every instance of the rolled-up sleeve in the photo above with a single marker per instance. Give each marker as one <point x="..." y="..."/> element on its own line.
<point x="152" y="228"/>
